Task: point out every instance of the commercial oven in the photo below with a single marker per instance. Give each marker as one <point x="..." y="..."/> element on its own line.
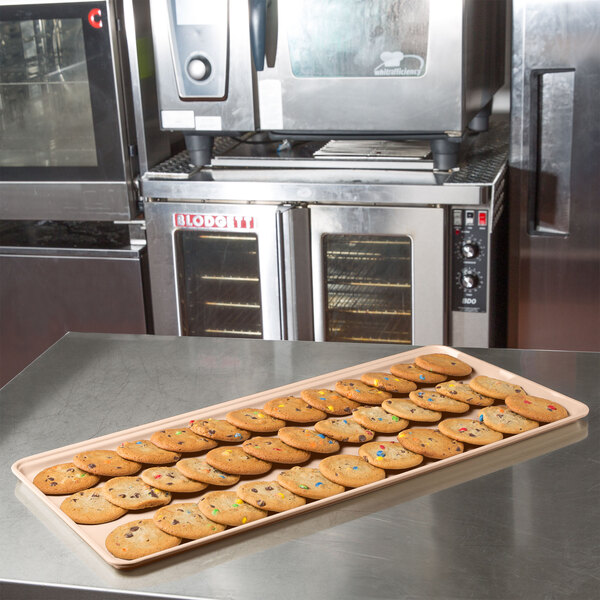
<point x="414" y="256"/>
<point x="78" y="108"/>
<point x="333" y="68"/>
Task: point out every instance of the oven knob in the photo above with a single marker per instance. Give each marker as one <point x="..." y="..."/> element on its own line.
<point x="469" y="281"/>
<point x="198" y="68"/>
<point x="470" y="250"/>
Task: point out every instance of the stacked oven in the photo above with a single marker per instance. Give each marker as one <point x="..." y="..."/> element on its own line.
<point x="354" y="200"/>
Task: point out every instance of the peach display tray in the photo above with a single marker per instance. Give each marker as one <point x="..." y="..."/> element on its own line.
<point x="94" y="535"/>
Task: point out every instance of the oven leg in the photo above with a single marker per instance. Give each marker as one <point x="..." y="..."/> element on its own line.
<point x="200" y="148"/>
<point x="445" y="153"/>
<point x="481" y="121"/>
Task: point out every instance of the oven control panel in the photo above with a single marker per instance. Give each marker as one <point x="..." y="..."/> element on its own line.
<point x="469" y="259"/>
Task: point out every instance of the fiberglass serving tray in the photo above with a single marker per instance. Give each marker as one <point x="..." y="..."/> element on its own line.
<point x="95" y="535"/>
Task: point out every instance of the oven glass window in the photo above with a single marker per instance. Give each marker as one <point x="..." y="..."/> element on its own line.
<point x="368" y="288"/>
<point x="354" y="38"/>
<point x="45" y="106"/>
<point x="219" y="284"/>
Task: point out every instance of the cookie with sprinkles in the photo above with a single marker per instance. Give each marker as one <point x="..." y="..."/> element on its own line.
<point x="378" y="420"/>
<point x="254" y="419"/>
<point x="463" y="393"/>
<point x="229" y="509"/>
<point x="220" y="430"/>
<point x="90" y="507"/>
<point x="136" y="539"/>
<point x="182" y="439"/>
<point x="105" y="462"/>
<point x="133" y="493"/>
<point x="236" y="461"/>
<point x="430" y="443"/>
<point x="535" y="408"/>
<point x="171" y="479"/>
<point x="388" y="382"/>
<point x="389" y="455"/>
<point x="185" y="520"/>
<point x="444" y="364"/>
<point x="494" y="388"/>
<point x="308" y="439"/>
<point x="65" y="478"/>
<point x="198" y="469"/>
<point x="407" y="409"/>
<point x="272" y="449"/>
<point x="308" y="483"/>
<point x="414" y="373"/>
<point x="344" y="430"/>
<point x="434" y="401"/>
<point x="296" y="410"/>
<point x="356" y="390"/>
<point x="270" y="496"/>
<point x="350" y="470"/>
<point x="469" y="431"/>
<point x="504" y="420"/>
<point x="329" y="402"/>
<point x="144" y="451"/>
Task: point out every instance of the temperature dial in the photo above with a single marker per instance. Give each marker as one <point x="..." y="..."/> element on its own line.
<point x="469" y="250"/>
<point x="469" y="281"/>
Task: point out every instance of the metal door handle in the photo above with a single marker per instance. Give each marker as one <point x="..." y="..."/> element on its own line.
<point x="258" y="32"/>
<point x="552" y="96"/>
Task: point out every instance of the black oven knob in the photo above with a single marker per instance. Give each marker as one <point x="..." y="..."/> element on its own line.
<point x="198" y="68"/>
<point x="469" y="281"/>
<point x="470" y="250"/>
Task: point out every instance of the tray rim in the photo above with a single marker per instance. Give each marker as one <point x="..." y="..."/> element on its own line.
<point x="577" y="410"/>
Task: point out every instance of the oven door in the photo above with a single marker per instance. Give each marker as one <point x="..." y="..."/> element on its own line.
<point x="62" y="154"/>
<point x="378" y="274"/>
<point x="378" y="66"/>
<point x="218" y="270"/>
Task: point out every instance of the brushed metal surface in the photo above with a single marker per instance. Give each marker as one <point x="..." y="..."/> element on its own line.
<point x="555" y="279"/>
<point x="526" y="524"/>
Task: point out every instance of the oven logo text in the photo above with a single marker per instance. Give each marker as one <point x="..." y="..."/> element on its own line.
<point x="398" y="64"/>
<point x="196" y="221"/>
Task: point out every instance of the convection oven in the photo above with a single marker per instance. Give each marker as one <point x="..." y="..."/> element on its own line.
<point x="380" y="255"/>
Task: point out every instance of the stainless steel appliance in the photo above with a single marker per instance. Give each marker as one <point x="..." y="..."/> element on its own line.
<point x="60" y="277"/>
<point x="554" y="175"/>
<point x="413" y="256"/>
<point x="72" y="73"/>
<point x="384" y="68"/>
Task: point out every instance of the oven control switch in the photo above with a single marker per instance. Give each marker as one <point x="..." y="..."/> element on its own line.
<point x="470" y="250"/>
<point x="469" y="281"/>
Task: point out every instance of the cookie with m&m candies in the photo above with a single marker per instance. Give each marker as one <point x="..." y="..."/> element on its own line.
<point x="469" y="431"/>
<point x="377" y="419"/>
<point x="504" y="420"/>
<point x="269" y="496"/>
<point x="361" y="392"/>
<point x="388" y="382"/>
<point x="389" y="455"/>
<point x="308" y="483"/>
<point x="414" y="373"/>
<point x="430" y="443"/>
<point x="308" y="439"/>
<point x="444" y="364"/>
<point x="350" y="470"/>
<point x="344" y="430"/>
<point x="538" y="409"/>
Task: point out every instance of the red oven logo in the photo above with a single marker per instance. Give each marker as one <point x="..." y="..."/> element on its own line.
<point x="196" y="221"/>
<point x="95" y="18"/>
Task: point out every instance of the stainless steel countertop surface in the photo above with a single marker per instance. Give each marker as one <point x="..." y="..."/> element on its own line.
<point x="520" y="522"/>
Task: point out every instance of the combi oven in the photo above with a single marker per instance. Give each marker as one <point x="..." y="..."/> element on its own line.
<point x="411" y="257"/>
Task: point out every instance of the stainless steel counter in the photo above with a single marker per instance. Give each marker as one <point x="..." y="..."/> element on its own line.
<point x="520" y="522"/>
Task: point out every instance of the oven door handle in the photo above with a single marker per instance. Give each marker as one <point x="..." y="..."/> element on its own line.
<point x="258" y="32"/>
<point x="552" y="102"/>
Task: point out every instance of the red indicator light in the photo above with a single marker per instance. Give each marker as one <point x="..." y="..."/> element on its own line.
<point x="95" y="18"/>
<point x="482" y="216"/>
<point x="457" y="232"/>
